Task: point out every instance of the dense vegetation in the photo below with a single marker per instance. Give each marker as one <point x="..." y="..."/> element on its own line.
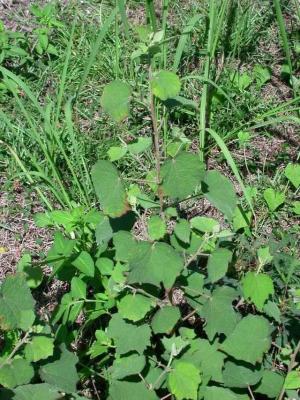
<point x="139" y="125"/>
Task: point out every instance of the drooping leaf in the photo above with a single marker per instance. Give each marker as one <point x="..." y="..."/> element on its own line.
<point x="219" y="393"/>
<point x="241" y="375"/>
<point x="16" y="372"/>
<point x="109" y="188"/>
<point x="115" y="153"/>
<point x="104" y="231"/>
<point x="183" y="230"/>
<point x="219" y="313"/>
<point x="292" y="380"/>
<point x="115" y="100"/>
<point x="127" y="366"/>
<point x="218" y="264"/>
<point x="257" y="288"/>
<point x="122" y="390"/>
<point x="39" y="348"/>
<point x="292" y="172"/>
<point x="141" y="145"/>
<point x="134" y="306"/>
<point x="62" y="373"/>
<point x="241" y="345"/>
<point x="271" y="384"/>
<point x="105" y="266"/>
<point x="38" y="391"/>
<point x="181" y="175"/>
<point x="156" y="227"/>
<point x="273" y="198"/>
<point x="78" y="288"/>
<point x="85" y="264"/>
<point x="207" y="358"/>
<point x="165" y="319"/>
<point x="128" y="337"/>
<point x="184" y="380"/>
<point x="205" y="224"/>
<point x="154" y="263"/>
<point x="16" y="303"/>
<point x="220" y="192"/>
<point x="165" y="85"/>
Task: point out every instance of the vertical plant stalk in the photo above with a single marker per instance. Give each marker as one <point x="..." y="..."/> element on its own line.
<point x="155" y="134"/>
<point x="205" y="91"/>
<point x="284" y="38"/>
<point x="290" y="368"/>
<point x="151" y="14"/>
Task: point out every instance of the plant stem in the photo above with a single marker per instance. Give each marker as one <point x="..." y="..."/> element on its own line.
<point x="156" y="144"/>
<point x="251" y="393"/>
<point x="290" y="367"/>
<point x="15" y="350"/>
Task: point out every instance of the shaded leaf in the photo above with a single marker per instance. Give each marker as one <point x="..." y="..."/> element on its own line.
<point x="218" y="264"/>
<point x="240" y="344"/>
<point x="165" y="85"/>
<point x="165" y="319"/>
<point x="115" y="100"/>
<point x="181" y="175"/>
<point x="257" y="288"/>
<point x="109" y="188"/>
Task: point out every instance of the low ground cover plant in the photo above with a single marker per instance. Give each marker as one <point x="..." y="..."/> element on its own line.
<point x="156" y="301"/>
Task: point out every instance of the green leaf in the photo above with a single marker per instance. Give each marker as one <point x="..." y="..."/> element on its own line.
<point x="257" y="288"/>
<point x="78" y="288"/>
<point x="181" y="175"/>
<point x="241" y="219"/>
<point x="16" y="303"/>
<point x="273" y="198"/>
<point x="241" y="345"/>
<point x="103" y="231"/>
<point x="184" y="380"/>
<point x="154" y="263"/>
<point x="183" y="230"/>
<point x="141" y="145"/>
<point x="105" y="266"/>
<point x="296" y="207"/>
<point x="34" y="275"/>
<point x="122" y="390"/>
<point x="85" y="264"/>
<point x="207" y="358"/>
<point x="38" y="391"/>
<point x="292" y="172"/>
<point x="109" y="188"/>
<point x="219" y="313"/>
<point x="165" y="85"/>
<point x="127" y="366"/>
<point x="62" y="373"/>
<point x="134" y="306"/>
<point x="272" y="310"/>
<point x="156" y="228"/>
<point x="128" y="337"/>
<point x="270" y="384"/>
<point x="264" y="256"/>
<point x="219" y="393"/>
<point x="220" y="192"/>
<point x="16" y="372"/>
<point x="115" y="100"/>
<point x="261" y="74"/>
<point x="165" y="319"/>
<point x="125" y="246"/>
<point x="218" y="264"/>
<point x="241" y="375"/>
<point x="205" y="224"/>
<point x="292" y="380"/>
<point x="116" y="152"/>
<point x="39" y="348"/>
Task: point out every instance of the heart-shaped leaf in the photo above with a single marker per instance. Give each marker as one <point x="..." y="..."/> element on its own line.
<point x="273" y="198"/>
<point x="115" y="100"/>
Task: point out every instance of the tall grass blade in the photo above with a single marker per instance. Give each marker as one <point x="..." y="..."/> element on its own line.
<point x="95" y="49"/>
<point x="183" y="40"/>
<point x="64" y="73"/>
<point x="232" y="165"/>
<point x="122" y="11"/>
